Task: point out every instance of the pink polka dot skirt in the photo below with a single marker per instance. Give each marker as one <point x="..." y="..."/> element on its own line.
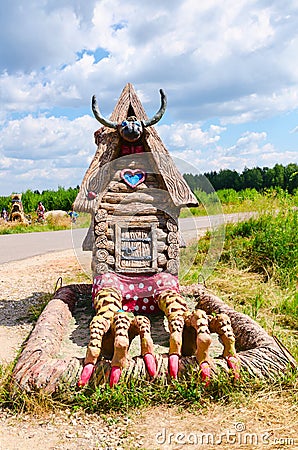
<point x="139" y="293"/>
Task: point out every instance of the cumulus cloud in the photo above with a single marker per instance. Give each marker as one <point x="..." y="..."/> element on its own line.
<point x="224" y="66"/>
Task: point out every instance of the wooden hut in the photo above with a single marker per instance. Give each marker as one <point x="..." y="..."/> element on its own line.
<point x="134" y="193"/>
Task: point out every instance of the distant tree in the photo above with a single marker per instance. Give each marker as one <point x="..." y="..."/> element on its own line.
<point x="279" y="176"/>
<point x="190" y="180"/>
<point x="252" y="178"/>
<point x="291" y="177"/>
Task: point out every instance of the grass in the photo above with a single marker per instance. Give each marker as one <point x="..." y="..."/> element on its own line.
<point x="257" y="274"/>
<point x="228" y="201"/>
<point x="125" y="397"/>
<point x="51" y="224"/>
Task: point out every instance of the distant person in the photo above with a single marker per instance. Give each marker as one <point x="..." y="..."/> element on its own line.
<point x="40" y="211"/>
<point x="73" y="215"/>
<point x="4" y="215"/>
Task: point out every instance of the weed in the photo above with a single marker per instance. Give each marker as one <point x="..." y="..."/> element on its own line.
<point x="36" y="309"/>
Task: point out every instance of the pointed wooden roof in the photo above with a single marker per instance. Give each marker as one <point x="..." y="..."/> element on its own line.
<point x="97" y="178"/>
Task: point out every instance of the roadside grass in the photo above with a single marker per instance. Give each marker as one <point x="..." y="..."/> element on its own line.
<point x="256" y="274"/>
<point x="51" y="224"/>
<point x="228" y="201"/>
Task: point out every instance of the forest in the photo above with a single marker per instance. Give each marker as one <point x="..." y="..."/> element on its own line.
<point x="279" y="176"/>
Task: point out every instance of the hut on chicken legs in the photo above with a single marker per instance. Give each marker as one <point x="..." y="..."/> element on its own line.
<point x="134" y="193"/>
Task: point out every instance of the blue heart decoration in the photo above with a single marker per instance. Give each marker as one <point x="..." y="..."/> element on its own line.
<point x="133" y="177"/>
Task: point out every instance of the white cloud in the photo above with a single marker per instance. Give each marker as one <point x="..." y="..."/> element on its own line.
<point x="228" y="63"/>
<point x="46" y="137"/>
<point x="189" y="135"/>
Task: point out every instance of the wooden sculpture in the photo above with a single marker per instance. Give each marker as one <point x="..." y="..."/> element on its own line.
<point x="134" y="194"/>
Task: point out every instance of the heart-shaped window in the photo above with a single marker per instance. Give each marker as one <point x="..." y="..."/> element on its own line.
<point x="133" y="177"/>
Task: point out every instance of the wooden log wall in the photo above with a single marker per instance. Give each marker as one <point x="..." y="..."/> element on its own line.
<point x="146" y="204"/>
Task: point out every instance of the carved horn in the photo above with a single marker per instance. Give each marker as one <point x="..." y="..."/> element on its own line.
<point x="160" y="112"/>
<point x="99" y="117"/>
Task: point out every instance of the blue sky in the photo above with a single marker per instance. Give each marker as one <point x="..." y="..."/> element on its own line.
<point x="229" y="70"/>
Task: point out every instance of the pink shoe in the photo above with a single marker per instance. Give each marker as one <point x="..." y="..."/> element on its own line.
<point x="234" y="364"/>
<point x="205" y="373"/>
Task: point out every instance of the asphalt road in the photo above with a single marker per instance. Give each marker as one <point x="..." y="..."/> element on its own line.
<point x="14" y="247"/>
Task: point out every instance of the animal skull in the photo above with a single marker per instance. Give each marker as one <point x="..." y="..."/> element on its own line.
<point x="130" y="129"/>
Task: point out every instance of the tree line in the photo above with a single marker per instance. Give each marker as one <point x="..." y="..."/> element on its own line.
<point x="285" y="177"/>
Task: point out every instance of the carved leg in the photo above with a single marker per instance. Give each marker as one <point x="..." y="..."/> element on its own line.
<point x="107" y="302"/>
<point x="199" y="321"/>
<point x="221" y="324"/>
<point x="120" y="325"/>
<point x="174" y="307"/>
<point x="142" y="327"/>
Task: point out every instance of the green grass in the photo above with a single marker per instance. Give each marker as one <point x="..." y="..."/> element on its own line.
<point x="229" y="201"/>
<point x="126" y="396"/>
<point x="51" y="224"/>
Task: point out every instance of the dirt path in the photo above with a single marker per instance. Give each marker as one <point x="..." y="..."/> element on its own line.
<point x="268" y="421"/>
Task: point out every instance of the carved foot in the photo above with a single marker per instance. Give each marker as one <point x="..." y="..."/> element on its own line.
<point x="174" y="307"/>
<point x="198" y="320"/>
<point x="141" y="326"/>
<point x="106" y="303"/>
<point x="221" y="324"/>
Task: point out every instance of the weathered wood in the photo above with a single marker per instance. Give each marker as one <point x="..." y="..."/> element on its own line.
<point x="106" y="245"/>
<point x="100" y="215"/>
<point x="101" y="241"/>
<point x="133" y="209"/>
<point x="135" y="221"/>
<point x="120" y="186"/>
<point x="38" y="366"/>
<point x="120" y="197"/>
<point x="161" y="234"/>
<point x="173" y="237"/>
<point x="102" y="255"/>
<point x="173" y="266"/>
<point x="173" y="251"/>
<point x="100" y="227"/>
<point x="172" y="225"/>
<point x="161" y="246"/>
<point x="161" y="259"/>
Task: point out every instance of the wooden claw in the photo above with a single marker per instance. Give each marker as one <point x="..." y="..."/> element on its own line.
<point x="234" y="365"/>
<point x="173" y="366"/>
<point x="150" y="364"/>
<point x="205" y="373"/>
<point x="86" y="375"/>
<point x="115" y="375"/>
